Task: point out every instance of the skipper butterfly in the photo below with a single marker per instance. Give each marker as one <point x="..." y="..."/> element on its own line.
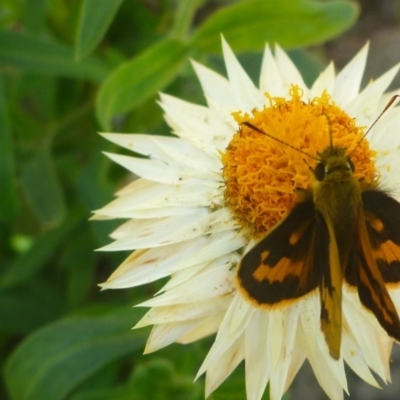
<point x="339" y="233"/>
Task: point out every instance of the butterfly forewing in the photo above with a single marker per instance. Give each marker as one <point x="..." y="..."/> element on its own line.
<point x="281" y="268"/>
<point x="330" y="284"/>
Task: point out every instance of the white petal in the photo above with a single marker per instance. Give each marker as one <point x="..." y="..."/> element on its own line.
<point x="324" y="366"/>
<point x="152" y="213"/>
<point x="185" y="274"/>
<point x="202" y="126"/>
<point x="142" y="234"/>
<point x="365" y="106"/>
<point x="256" y="356"/>
<point x="181" y="332"/>
<point x="184" y="312"/>
<point x="348" y="80"/>
<point x="368" y="335"/>
<point x="163" y="335"/>
<point x="215" y="87"/>
<point x="321" y="364"/>
<point x="232" y="327"/>
<point x="209" y="284"/>
<point x="224" y="366"/>
<point x="161" y="171"/>
<point x="325" y="81"/>
<point x="280" y="370"/>
<point x="385" y="139"/>
<point x="216" y="245"/>
<point x="136" y="184"/>
<point x="144" y="266"/>
<point x="289" y="72"/>
<point x="247" y="96"/>
<point x="204" y="327"/>
<point x="172" y="230"/>
<point x="294" y="354"/>
<point x="195" y="193"/>
<point x="354" y="357"/>
<point x="170" y="151"/>
<point x="270" y="77"/>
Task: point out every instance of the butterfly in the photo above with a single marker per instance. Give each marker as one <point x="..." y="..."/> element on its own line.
<point x="339" y="233"/>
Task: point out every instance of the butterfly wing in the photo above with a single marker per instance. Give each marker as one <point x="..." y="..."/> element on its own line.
<point x="383" y="225"/>
<point x="280" y="268"/>
<point x="330" y="285"/>
<point x="376" y="260"/>
<point x="296" y="257"/>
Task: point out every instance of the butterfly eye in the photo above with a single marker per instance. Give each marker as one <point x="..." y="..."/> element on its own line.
<point x="319" y="172"/>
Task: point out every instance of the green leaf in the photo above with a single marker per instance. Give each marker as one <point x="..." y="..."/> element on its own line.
<point x="137" y="80"/>
<point x="45" y="56"/>
<point x="248" y="25"/>
<point x="43" y="190"/>
<point x="95" y="18"/>
<point x="79" y="261"/>
<point x="28" y="264"/>
<point x="26" y="308"/>
<point x="56" y="359"/>
<point x="160" y="378"/>
<point x="9" y="203"/>
<point x="34" y="15"/>
<point x="183" y="18"/>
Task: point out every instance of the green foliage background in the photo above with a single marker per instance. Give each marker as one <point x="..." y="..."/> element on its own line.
<point x="71" y="68"/>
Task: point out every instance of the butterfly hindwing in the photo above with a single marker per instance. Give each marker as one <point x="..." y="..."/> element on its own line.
<point x="382" y="214"/>
<point x="280" y="268"/>
<point x="375" y="261"/>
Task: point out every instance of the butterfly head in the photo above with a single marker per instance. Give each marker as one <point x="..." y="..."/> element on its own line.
<point x="333" y="164"/>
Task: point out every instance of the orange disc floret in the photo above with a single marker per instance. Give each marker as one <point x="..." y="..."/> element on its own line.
<point x="263" y="171"/>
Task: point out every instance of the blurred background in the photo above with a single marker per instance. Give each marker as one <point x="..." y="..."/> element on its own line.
<point x="72" y="68"/>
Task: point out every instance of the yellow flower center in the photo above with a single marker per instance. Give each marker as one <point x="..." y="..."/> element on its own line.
<point x="262" y="174"/>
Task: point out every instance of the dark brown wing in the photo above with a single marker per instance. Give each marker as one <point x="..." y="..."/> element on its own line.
<point x="298" y="256"/>
<point x="383" y="224"/>
<point x="281" y="267"/>
<point x="375" y="262"/>
<point x="330" y="285"/>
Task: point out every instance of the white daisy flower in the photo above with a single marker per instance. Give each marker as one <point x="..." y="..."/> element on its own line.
<point x="204" y="197"/>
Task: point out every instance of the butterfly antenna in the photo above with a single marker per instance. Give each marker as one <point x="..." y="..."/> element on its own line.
<point x="251" y="126"/>
<point x="388" y="105"/>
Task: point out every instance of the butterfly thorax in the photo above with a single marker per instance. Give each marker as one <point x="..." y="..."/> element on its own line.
<point x="337" y="195"/>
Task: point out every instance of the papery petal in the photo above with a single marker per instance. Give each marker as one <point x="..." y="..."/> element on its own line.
<point x="227" y="362"/>
<point x="270" y="77"/>
<point x="214" y="282"/>
<point x="289" y="72"/>
<point x="200" y="125"/>
<point x="215" y="87"/>
<point x="247" y="97"/>
<point x="162" y="171"/>
<point x="365" y="106"/>
<point x="140" y="234"/>
<point x="348" y="80"/>
<point x="325" y="81"/>
<point x="256" y="356"/>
